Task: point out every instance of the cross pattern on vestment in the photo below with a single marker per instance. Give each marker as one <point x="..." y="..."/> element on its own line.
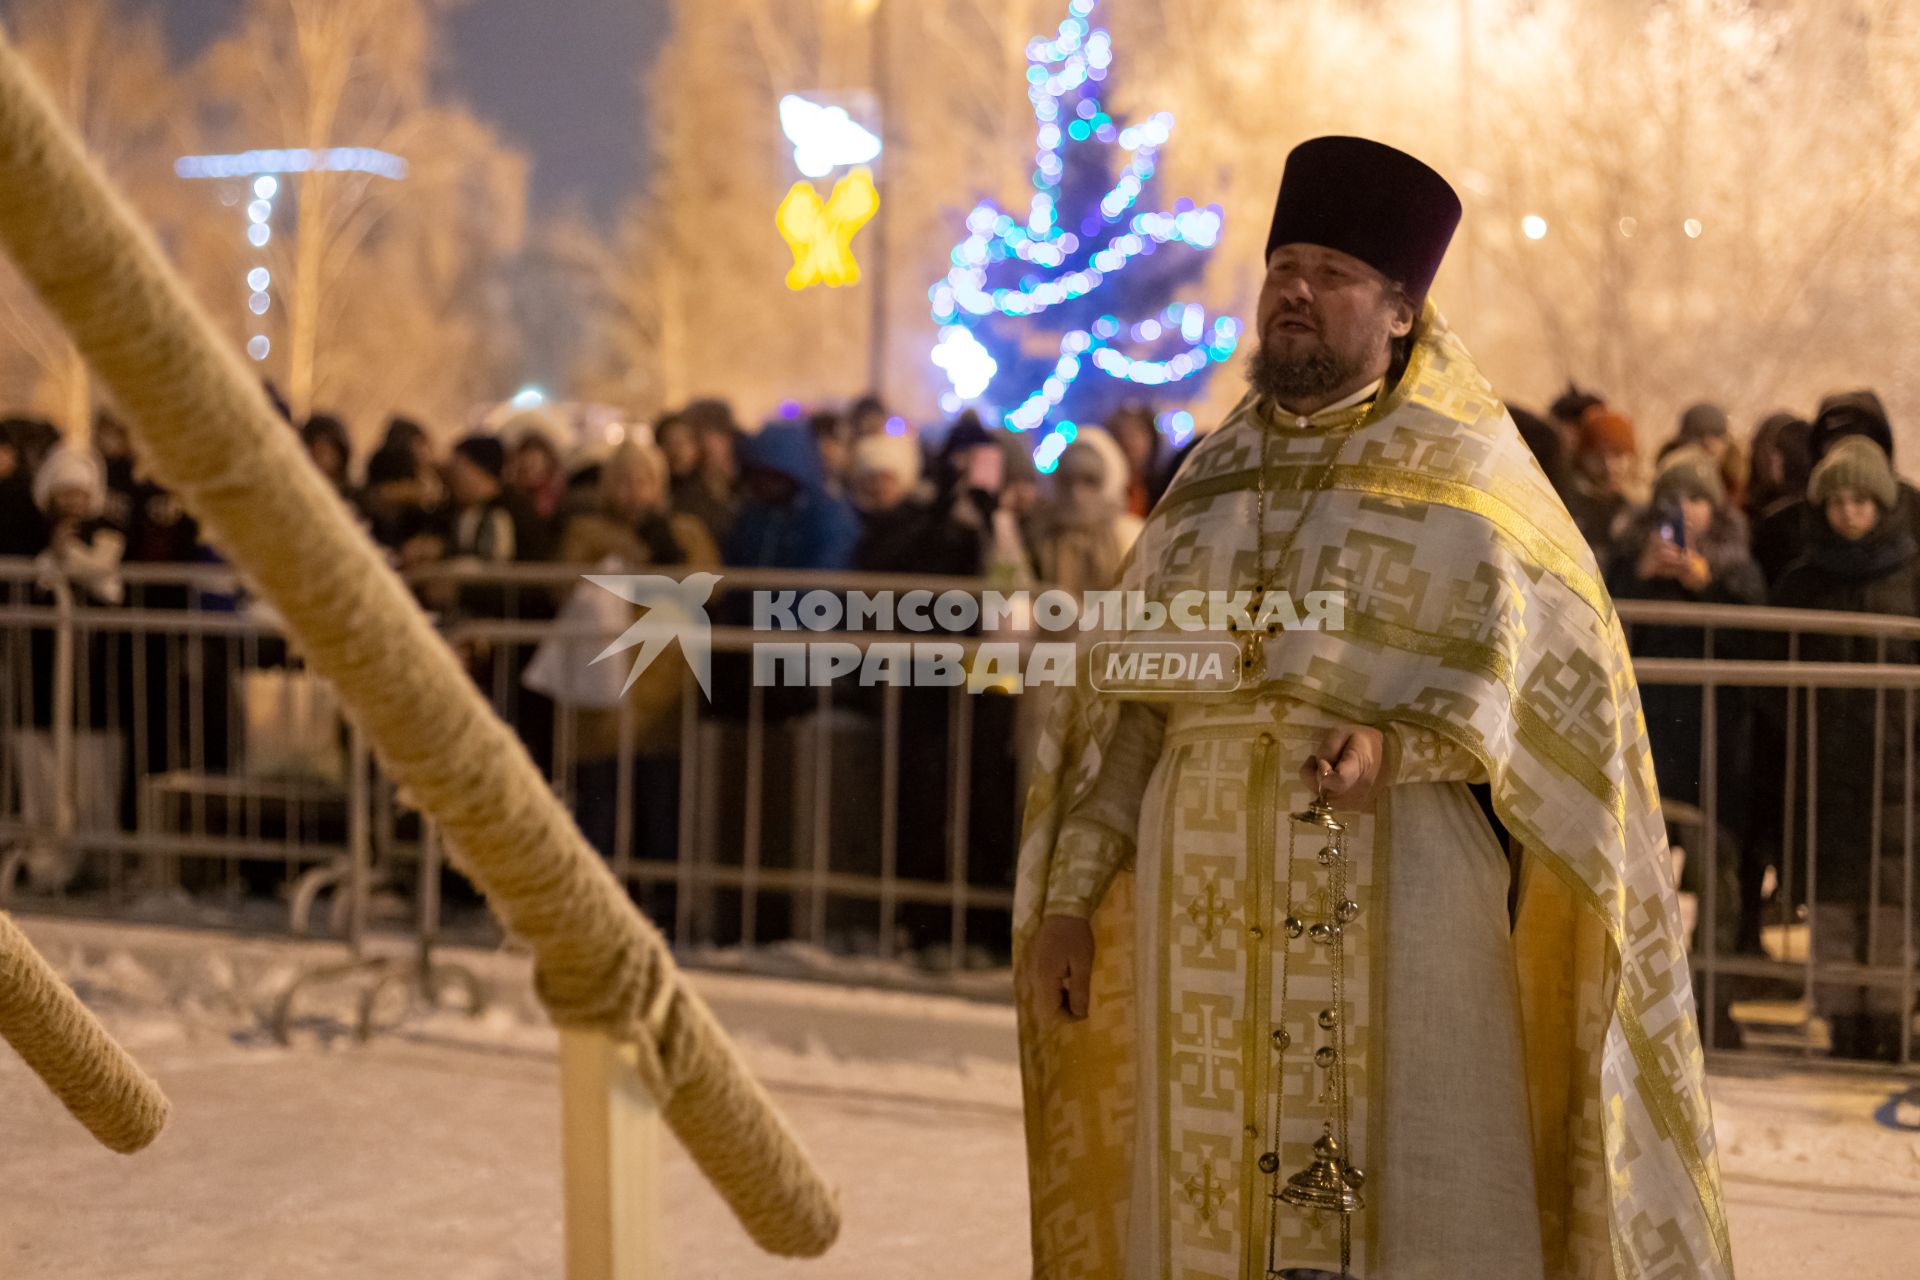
<point x="1208" y="1049"/>
<point x="1207" y="911"/>
<point x="1205" y="1191"/>
<point x="1214" y="777"/>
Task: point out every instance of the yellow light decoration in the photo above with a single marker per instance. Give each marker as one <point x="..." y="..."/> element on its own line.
<point x="820" y="233"/>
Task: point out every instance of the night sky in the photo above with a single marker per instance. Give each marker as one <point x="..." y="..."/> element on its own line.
<point x="558" y="78"/>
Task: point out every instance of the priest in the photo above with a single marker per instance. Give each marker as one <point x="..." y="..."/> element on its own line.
<point x="1289" y="1005"/>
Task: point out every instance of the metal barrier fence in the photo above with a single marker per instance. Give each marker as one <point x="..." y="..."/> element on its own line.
<point x="170" y="743"/>
<point x="1824" y="789"/>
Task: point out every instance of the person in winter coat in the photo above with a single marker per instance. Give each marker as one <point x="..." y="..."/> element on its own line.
<point x="1861" y="557"/>
<point x="1545" y="444"/>
<point x="23" y="531"/>
<point x="1849" y="413"/>
<point x="1132" y="427"/>
<point x="884" y="473"/>
<point x="1705" y="426"/>
<point x="1781" y="461"/>
<point x="1596" y="489"/>
<point x="70" y="489"/>
<point x="394" y="503"/>
<point x="535" y="481"/>
<point x="632" y="520"/>
<point x="1082" y="530"/>
<point x="788" y="518"/>
<point x="631" y="529"/>
<point x="325" y="439"/>
<point x="971" y="527"/>
<point x="884" y="480"/>
<point x="1565" y="413"/>
<point x="710" y="491"/>
<point x="1689" y="545"/>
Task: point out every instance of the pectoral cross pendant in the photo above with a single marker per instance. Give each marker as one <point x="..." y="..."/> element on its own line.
<point x="1253" y="641"/>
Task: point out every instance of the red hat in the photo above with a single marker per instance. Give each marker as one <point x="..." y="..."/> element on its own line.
<point x="1602" y="430"/>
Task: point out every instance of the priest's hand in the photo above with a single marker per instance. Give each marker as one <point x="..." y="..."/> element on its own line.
<point x="1346" y="765"/>
<point x="1060" y="968"/>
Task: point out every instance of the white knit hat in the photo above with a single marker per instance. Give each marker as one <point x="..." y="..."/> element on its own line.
<point x="70" y="467"/>
<point x="898" y="456"/>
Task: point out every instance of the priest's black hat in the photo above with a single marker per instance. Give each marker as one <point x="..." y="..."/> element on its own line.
<point x="1367" y="199"/>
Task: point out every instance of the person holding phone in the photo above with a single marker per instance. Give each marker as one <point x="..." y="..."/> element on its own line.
<point x="1689" y="543"/>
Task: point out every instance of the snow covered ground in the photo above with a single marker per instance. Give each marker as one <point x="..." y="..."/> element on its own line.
<point x="434" y="1150"/>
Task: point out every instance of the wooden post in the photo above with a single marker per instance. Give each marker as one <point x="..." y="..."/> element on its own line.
<point x="610" y="1148"/>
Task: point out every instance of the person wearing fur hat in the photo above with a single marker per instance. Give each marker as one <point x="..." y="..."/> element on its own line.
<point x="1861" y="557"/>
<point x="1603" y="462"/>
<point x="884" y="485"/>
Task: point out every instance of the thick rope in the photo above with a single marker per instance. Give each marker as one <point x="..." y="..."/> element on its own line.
<point x="68" y="1048"/>
<point x="205" y="428"/>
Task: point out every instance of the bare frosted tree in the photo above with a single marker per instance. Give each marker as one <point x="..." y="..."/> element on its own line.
<point x="590" y="308"/>
<point x="718" y="263"/>
<point x="957" y="127"/>
<point x="107" y="70"/>
<point x="390" y="286"/>
<point x="1724" y="190"/>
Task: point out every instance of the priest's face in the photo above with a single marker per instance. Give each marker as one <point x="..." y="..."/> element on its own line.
<point x="1327" y="324"/>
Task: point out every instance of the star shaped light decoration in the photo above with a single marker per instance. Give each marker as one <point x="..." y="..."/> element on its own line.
<point x="820" y="233"/>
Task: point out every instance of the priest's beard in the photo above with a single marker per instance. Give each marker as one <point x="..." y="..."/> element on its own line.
<point x="1289" y="379"/>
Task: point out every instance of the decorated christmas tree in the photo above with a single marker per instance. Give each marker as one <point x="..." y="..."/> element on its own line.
<point x="1058" y="315"/>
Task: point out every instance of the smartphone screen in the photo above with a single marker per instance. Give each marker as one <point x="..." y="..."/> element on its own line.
<point x="985" y="469"/>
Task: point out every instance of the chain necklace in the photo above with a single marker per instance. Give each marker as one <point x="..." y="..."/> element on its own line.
<point x="1330" y="1183"/>
<point x="1266" y="564"/>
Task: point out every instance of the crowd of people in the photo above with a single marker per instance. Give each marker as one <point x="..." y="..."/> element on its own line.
<point x="859" y="489"/>
<point x="1806" y="512"/>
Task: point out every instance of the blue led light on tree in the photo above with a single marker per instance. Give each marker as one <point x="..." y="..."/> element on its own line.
<point x="1081" y="263"/>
